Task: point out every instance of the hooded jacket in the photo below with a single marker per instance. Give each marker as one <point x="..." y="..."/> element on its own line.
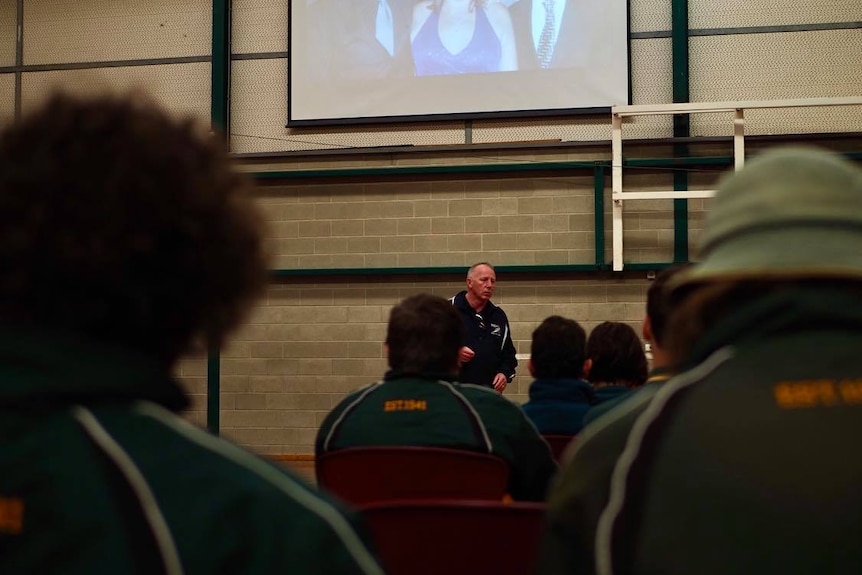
<point x="488" y="334"/>
<point x="742" y="463"/>
<point x="558" y="406"/>
<point x="98" y="474"/>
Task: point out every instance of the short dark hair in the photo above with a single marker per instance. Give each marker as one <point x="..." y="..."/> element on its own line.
<point x="123" y="224"/>
<point x="658" y="302"/>
<point x="558" y="349"/>
<point x="425" y="335"/>
<point x="617" y="354"/>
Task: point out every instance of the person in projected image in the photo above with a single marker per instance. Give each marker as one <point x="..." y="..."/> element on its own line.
<point x="555" y="33"/>
<point x="359" y="40"/>
<point x="462" y="37"/>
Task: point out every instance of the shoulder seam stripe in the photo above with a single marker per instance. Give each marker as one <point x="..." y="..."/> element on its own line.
<point x="346" y="412"/>
<point x="126" y="465"/>
<point x="284" y="483"/>
<point x="619" y="477"/>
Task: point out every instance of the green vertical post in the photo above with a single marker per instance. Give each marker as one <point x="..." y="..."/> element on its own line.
<point x="19" y="57"/>
<point x="220" y="94"/>
<point x="681" y="123"/>
<point x="599" y="212"/>
<point x="220" y="117"/>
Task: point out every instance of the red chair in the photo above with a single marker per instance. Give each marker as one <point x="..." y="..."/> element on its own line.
<point x="455" y="537"/>
<point x="360" y="475"/>
<point x="558" y="444"/>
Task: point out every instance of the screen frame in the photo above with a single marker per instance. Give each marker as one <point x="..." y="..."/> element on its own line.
<point x="530" y="113"/>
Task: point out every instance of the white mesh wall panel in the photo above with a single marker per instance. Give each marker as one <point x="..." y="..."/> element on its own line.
<point x="649" y="15"/>
<point x="651" y="84"/>
<point x="744" y="13"/>
<point x="258" y="117"/>
<point x="181" y="88"/>
<point x="102" y="30"/>
<point x="259" y="26"/>
<point x="778" y="66"/>
<point x="8" y="20"/>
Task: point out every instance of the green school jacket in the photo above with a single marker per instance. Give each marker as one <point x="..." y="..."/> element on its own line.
<point x="744" y="463"/>
<point x="426" y="410"/>
<point x="99" y="475"/>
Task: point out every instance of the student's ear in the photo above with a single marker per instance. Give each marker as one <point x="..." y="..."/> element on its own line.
<point x="588" y="365"/>
<point x="530" y="367"/>
<point x="647" y="330"/>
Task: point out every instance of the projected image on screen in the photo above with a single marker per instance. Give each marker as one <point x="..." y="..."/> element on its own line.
<point x="371" y="60"/>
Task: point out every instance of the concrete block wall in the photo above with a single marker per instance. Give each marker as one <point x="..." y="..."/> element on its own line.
<point x="310" y="342"/>
<point x="314" y="338"/>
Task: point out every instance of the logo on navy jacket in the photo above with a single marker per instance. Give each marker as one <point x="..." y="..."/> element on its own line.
<point x="496" y="330"/>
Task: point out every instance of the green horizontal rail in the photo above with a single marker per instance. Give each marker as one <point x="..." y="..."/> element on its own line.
<point x="447" y="270"/>
<point x="724" y="161"/>
<point x="423" y="170"/>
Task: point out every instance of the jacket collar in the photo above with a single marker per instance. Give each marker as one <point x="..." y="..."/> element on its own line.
<point x="461" y="302"/>
<point x="41" y="368"/>
<point x="791" y="310"/>
<point x="562" y="388"/>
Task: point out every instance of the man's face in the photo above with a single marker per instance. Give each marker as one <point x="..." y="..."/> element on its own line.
<point x="481" y="283"/>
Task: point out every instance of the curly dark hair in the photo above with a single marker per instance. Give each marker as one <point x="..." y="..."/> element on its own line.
<point x="424" y="335"/>
<point x="618" y="355"/>
<point x="121" y="223"/>
<point x="558" y="348"/>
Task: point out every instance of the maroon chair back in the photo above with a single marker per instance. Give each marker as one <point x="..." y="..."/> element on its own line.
<point x="455" y="537"/>
<point x="558" y="444"/>
<point x="361" y="475"/>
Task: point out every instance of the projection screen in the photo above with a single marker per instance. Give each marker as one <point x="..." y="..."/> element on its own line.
<point x="357" y="61"/>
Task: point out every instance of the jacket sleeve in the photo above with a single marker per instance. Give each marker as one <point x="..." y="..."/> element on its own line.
<point x="328" y="424"/>
<point x="508" y="361"/>
<point x="580" y="494"/>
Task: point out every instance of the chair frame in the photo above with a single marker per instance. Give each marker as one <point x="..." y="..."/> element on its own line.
<point x="361" y="475"/>
<point x="558" y="443"/>
<point x="463" y="537"/>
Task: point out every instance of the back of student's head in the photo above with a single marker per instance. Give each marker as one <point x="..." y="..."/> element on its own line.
<point x="424" y="335"/>
<point x="791" y="219"/>
<point x="123" y="224"/>
<point x="659" y="303"/>
<point x="558" y="349"/>
<point x="617" y="355"/>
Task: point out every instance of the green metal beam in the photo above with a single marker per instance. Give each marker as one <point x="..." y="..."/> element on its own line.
<point x="220" y="119"/>
<point x="681" y="125"/>
<point x="439" y="270"/>
<point x="423" y="170"/>
<point x="599" y="214"/>
<point x="220" y="74"/>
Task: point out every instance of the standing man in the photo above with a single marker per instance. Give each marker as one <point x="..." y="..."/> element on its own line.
<point x="488" y="355"/>
<point x="560" y="34"/>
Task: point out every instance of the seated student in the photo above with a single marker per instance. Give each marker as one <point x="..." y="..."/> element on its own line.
<point x="743" y="462"/>
<point x="619" y="363"/>
<point x="657" y="311"/>
<point x="117" y="226"/>
<point x="559" y="397"/>
<point x="418" y="402"/>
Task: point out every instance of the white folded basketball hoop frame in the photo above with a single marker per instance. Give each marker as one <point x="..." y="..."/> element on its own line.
<point x="619" y="112"/>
